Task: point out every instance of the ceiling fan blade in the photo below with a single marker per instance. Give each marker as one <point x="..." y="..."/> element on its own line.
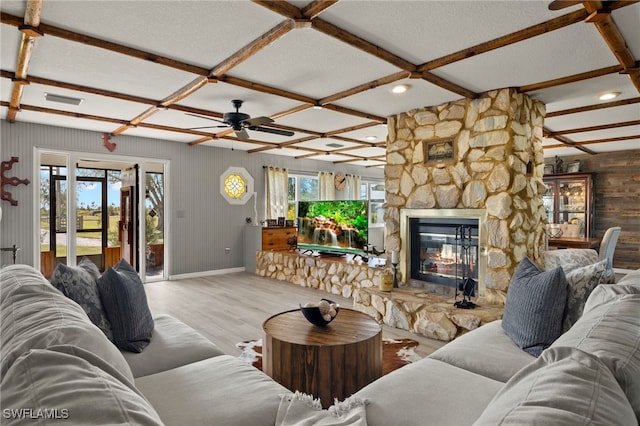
<point x="258" y="121"/>
<point x="561" y="4"/>
<point x="205" y="127"/>
<point x="206" y="118"/>
<point x="270" y="130"/>
<point x="242" y="134"/>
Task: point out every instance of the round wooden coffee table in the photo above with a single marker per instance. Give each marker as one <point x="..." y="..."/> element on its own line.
<point x="327" y="362"/>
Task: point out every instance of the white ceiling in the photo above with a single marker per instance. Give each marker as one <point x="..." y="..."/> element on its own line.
<point x="284" y="76"/>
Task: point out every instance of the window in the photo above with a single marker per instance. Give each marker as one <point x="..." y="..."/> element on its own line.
<point x="236" y="185"/>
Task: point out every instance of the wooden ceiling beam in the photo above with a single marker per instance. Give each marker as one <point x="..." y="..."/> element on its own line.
<point x="553" y="133"/>
<point x="515" y="37"/>
<point x="27" y="43"/>
<point x="362" y="44"/>
<point x="86" y="89"/>
<point x="566" y="141"/>
<point x="352" y="128"/>
<point x="290" y="111"/>
<point x="593" y="107"/>
<point x="607" y="140"/>
<point x="447" y="85"/>
<point x="354" y="112"/>
<point x="281" y="8"/>
<point x="252" y="48"/>
<point x="365" y="86"/>
<point x="266" y="89"/>
<point x="316" y="7"/>
<point x="66" y="113"/>
<point x="611" y="34"/>
<point x="570" y="79"/>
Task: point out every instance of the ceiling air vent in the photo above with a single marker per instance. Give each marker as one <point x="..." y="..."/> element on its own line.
<point x="63" y="99"/>
<point x="334" y="145"/>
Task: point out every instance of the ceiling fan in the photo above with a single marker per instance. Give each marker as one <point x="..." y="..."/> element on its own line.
<point x="239" y="122"/>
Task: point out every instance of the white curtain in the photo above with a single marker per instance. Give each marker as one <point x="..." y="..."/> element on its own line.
<point x="353" y="186"/>
<point x="277" y="192"/>
<point x="326" y="188"/>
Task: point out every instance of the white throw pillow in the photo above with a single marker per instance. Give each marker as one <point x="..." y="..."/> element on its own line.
<point x="564" y="386"/>
<point x="582" y="280"/>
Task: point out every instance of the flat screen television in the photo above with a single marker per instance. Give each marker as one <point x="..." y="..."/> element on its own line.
<point x="333" y="226"/>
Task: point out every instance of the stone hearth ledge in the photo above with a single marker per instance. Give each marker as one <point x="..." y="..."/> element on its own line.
<point x="411" y="309"/>
<point x="431" y="315"/>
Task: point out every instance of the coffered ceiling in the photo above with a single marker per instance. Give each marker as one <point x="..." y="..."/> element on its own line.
<point x="323" y="70"/>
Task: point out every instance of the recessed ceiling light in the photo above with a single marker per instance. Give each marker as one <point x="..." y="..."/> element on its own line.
<point x="63" y="99"/>
<point x="608" y="96"/>
<point x="317" y="106"/>
<point x="400" y="88"/>
<point x="371" y="138"/>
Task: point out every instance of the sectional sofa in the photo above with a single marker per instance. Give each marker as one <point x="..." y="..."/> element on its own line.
<point x="58" y="367"/>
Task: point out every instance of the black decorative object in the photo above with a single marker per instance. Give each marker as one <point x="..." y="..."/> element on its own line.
<point x="314" y="315"/>
<point x="467" y="285"/>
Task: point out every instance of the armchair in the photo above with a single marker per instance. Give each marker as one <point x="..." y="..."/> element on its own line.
<point x="607" y="248"/>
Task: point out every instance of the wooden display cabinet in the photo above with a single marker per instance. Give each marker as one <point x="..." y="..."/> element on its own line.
<point x="569" y="199"/>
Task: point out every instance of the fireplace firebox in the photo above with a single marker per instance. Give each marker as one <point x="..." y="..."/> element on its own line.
<point x="444" y="251"/>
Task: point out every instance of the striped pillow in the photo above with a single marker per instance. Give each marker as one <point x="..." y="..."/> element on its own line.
<point x="125" y="303"/>
<point x="535" y="305"/>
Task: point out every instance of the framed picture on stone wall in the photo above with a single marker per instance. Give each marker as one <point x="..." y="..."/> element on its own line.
<point x="440" y="151"/>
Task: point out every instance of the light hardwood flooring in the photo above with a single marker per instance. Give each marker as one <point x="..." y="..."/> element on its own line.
<point x="231" y="308"/>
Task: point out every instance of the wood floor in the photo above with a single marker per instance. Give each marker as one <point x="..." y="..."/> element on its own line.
<point x="231" y="308"/>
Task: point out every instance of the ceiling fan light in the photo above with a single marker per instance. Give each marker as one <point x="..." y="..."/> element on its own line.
<point x="63" y="99"/>
<point x="400" y="88"/>
<point x="608" y="96"/>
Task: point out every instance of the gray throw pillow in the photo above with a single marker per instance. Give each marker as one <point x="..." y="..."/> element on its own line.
<point x="125" y="303"/>
<point x="535" y="306"/>
<point x="79" y="284"/>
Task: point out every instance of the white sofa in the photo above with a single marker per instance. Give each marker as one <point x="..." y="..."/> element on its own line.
<point x="55" y="359"/>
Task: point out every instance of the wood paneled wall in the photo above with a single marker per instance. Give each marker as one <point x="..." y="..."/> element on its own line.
<point x="617" y="200"/>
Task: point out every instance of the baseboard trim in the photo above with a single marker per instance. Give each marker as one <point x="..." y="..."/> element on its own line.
<point x="206" y="273"/>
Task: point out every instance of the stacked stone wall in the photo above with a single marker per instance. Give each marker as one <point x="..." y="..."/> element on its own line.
<point x="498" y="166"/>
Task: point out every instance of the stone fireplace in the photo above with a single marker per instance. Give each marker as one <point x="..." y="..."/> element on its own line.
<point x="482" y="155"/>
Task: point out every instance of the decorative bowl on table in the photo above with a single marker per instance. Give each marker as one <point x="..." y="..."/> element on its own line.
<point x="321" y="313"/>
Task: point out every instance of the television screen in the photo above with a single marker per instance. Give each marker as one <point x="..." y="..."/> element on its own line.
<point x="340" y="226"/>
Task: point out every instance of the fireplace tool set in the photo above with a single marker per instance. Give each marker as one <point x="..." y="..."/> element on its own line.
<point x="466" y="284"/>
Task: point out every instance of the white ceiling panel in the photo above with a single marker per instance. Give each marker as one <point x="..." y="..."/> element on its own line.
<point x="312" y="64"/>
<point x="568" y="51"/>
<point x="217" y="97"/>
<point x="61" y="60"/>
<point x="66" y="121"/>
<point x="628" y="20"/>
<point x="415" y="30"/>
<point x="585" y="92"/>
<point x="91" y="104"/>
<point x="174" y="25"/>
<point x="605" y="134"/>
<point x="10" y="47"/>
<point x="322" y="120"/>
<point x="382" y="102"/>
<point x="617" y="146"/>
<point x="324" y="144"/>
<point x="594" y="118"/>
<point x="369" y="152"/>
